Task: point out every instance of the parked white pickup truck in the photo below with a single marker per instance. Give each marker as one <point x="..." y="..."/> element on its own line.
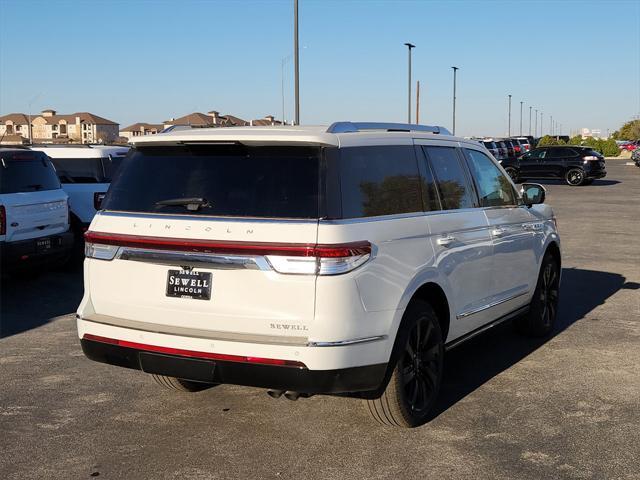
<point x="34" y="214"/>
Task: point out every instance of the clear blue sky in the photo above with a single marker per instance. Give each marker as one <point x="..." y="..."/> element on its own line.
<point x="133" y="61"/>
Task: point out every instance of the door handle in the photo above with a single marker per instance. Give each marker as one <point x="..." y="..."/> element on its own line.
<point x="498" y="232"/>
<point x="446" y="240"/>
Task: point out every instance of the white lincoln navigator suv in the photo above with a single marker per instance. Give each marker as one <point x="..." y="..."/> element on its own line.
<point x="313" y="260"/>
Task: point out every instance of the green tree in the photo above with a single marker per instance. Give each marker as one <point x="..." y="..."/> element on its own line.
<point x="629" y="131"/>
<point x="548" y="140"/>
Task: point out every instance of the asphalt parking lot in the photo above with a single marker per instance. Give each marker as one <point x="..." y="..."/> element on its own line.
<point x="564" y="407"/>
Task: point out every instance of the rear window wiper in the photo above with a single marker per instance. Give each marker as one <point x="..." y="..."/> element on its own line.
<point x="193" y="204"/>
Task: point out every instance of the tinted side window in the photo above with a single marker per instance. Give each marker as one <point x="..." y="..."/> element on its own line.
<point x="379" y="181"/>
<point x="560" y="153"/>
<point x="541" y="153"/>
<point x="80" y="170"/>
<point x="450" y="177"/>
<point x="494" y="189"/>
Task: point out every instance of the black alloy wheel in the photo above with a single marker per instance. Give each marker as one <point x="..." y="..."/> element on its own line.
<point x="543" y="310"/>
<point x="413" y="388"/>
<point x="575" y="177"/>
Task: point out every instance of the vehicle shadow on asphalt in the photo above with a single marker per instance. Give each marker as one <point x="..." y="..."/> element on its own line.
<point x="30" y="300"/>
<point x="475" y="362"/>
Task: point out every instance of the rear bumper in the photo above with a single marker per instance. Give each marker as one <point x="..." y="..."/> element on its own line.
<point x="597" y="174"/>
<point x="294" y="378"/>
<point x="25" y="253"/>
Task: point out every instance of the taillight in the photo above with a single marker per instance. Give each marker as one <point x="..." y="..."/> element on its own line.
<point x="97" y="199"/>
<point x="3" y="220"/>
<point x="291" y="258"/>
<point x="517" y="147"/>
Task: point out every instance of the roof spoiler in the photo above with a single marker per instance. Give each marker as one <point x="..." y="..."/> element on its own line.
<point x="352" y="127"/>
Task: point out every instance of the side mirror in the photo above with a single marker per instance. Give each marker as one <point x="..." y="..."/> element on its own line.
<point x="533" y="194"/>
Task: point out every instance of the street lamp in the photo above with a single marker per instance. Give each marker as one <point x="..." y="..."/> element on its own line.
<point x="530" y="107"/>
<point x="551" y="124"/>
<point x="296" y="60"/>
<point x="535" y="132"/>
<point x="509" y="129"/>
<point x="285" y="60"/>
<point x="455" y="69"/>
<point x="409" y="47"/>
<point x="521" y="118"/>
<point x="541" y="124"/>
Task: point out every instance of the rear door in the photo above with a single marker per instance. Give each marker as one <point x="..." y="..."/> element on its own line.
<point x="460" y="238"/>
<point x="30" y="193"/>
<point x="246" y="200"/>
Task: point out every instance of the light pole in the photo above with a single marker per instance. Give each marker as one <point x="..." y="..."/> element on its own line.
<point x="541" y="124"/>
<point x="551" y="124"/>
<point x="409" y="47"/>
<point x="521" y="118"/>
<point x="455" y="70"/>
<point x="296" y="61"/>
<point x="535" y="132"/>
<point x="509" y="129"/>
<point x="530" y="107"/>
<point x="285" y="60"/>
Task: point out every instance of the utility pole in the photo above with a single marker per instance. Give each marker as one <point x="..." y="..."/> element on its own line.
<point x="551" y="124"/>
<point x="296" y="55"/>
<point x="541" y="124"/>
<point x="418" y="102"/>
<point x="535" y="132"/>
<point x="455" y="70"/>
<point x="409" y="47"/>
<point x="530" y="107"/>
<point x="521" y="118"/>
<point x="509" y="129"/>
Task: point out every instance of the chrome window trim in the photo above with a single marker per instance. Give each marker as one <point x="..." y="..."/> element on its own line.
<point x="490" y="305"/>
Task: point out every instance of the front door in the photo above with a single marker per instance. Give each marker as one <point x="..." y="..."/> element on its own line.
<point x="532" y="164"/>
<point x="514" y="259"/>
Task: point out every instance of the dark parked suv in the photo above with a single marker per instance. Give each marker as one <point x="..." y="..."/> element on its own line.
<point x="576" y="165"/>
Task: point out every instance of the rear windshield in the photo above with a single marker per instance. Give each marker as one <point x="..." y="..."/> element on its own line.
<point x="84" y="170"/>
<point x="225" y="180"/>
<point x="26" y="172"/>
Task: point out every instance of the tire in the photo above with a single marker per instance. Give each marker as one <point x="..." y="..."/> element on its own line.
<point x="574" y="177"/>
<point x="180" y="384"/>
<point x="513" y="173"/>
<point x="413" y="388"/>
<point x="540" y="319"/>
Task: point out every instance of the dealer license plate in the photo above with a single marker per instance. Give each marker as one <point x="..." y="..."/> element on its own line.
<point x="189" y="284"/>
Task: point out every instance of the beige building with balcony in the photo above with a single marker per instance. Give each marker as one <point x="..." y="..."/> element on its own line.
<point x="140" y="129"/>
<point x="50" y="127"/>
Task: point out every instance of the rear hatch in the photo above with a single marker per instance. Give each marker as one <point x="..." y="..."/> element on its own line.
<point x="209" y="240"/>
<point x="32" y="203"/>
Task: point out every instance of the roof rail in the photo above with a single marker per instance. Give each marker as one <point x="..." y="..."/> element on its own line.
<point x="351" y="127"/>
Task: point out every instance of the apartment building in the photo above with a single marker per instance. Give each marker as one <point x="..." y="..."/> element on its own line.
<point x="51" y="127"/>
<point x="140" y="129"/>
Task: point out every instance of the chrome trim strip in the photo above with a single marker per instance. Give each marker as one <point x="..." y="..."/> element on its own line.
<point x="202" y="260"/>
<point x="490" y="305"/>
<point x="195" y="332"/>
<point x="484" y="328"/>
<point x="341" y="343"/>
